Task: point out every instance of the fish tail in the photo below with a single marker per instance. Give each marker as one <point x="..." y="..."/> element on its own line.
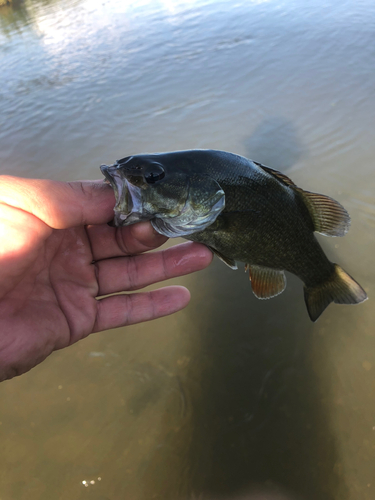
<point x="339" y="288"/>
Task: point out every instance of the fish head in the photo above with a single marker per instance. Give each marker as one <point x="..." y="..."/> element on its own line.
<point x="177" y="201"/>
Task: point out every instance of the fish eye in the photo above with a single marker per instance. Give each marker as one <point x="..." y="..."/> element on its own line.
<point x="153" y="173"/>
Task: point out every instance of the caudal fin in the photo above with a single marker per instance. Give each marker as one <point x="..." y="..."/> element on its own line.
<point x="339" y="288"/>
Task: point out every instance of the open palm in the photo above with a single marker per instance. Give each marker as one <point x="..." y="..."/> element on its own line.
<point x="58" y="255"/>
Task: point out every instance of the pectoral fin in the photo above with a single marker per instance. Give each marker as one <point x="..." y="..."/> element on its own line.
<point x="266" y="282"/>
<point x="229" y="262"/>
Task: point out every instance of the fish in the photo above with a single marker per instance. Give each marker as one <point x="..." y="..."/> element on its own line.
<point x="243" y="211"/>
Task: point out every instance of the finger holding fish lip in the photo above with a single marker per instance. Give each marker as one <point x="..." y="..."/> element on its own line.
<point x="132" y="273"/>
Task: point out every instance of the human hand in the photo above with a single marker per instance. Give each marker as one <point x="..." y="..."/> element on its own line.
<point x="57" y="255"/>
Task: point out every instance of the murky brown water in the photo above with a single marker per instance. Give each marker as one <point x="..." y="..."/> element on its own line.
<point x="232" y="396"/>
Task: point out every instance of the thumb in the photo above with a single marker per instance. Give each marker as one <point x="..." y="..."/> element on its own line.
<point x="59" y="204"/>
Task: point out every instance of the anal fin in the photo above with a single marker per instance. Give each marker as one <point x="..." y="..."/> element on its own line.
<point x="266" y="282"/>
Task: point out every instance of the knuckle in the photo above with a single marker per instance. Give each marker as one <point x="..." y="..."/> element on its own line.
<point x="120" y="241"/>
<point x="132" y="273"/>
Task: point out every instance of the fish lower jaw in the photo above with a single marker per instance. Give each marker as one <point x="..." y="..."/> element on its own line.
<point x="127" y="219"/>
<point x="120" y="219"/>
<point x="122" y="216"/>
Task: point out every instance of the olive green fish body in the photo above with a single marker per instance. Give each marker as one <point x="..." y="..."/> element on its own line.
<point x="255" y="228"/>
<point x="242" y="210"/>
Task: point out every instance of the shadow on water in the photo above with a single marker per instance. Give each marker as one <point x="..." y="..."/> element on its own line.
<point x="275" y="143"/>
<point x="253" y="418"/>
<point x="258" y="419"/>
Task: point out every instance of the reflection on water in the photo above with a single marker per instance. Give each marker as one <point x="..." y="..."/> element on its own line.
<point x="234" y="397"/>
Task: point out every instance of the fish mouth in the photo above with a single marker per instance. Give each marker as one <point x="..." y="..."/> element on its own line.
<point x="129" y="207"/>
<point x="111" y="176"/>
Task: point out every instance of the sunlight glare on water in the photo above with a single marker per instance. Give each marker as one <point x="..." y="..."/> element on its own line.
<point x="233" y="396"/>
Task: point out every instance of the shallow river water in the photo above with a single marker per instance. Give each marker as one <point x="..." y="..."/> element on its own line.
<point x="233" y="397"/>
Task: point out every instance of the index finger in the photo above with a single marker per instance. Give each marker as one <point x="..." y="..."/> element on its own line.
<point x="60" y="204"/>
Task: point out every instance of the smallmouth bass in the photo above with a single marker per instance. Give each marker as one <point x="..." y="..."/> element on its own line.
<point x="243" y="211"/>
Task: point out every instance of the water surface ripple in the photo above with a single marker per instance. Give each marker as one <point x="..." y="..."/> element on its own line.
<point x="233" y="396"/>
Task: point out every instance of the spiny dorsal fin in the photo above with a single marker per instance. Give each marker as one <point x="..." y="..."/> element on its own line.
<point x="279" y="175"/>
<point x="329" y="217"/>
<point x="229" y="262"/>
<point x="266" y="282"/>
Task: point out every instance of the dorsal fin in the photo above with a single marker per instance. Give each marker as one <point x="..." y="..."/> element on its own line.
<point x="329" y="217"/>
<point x="266" y="282"/>
<point x="279" y="175"/>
